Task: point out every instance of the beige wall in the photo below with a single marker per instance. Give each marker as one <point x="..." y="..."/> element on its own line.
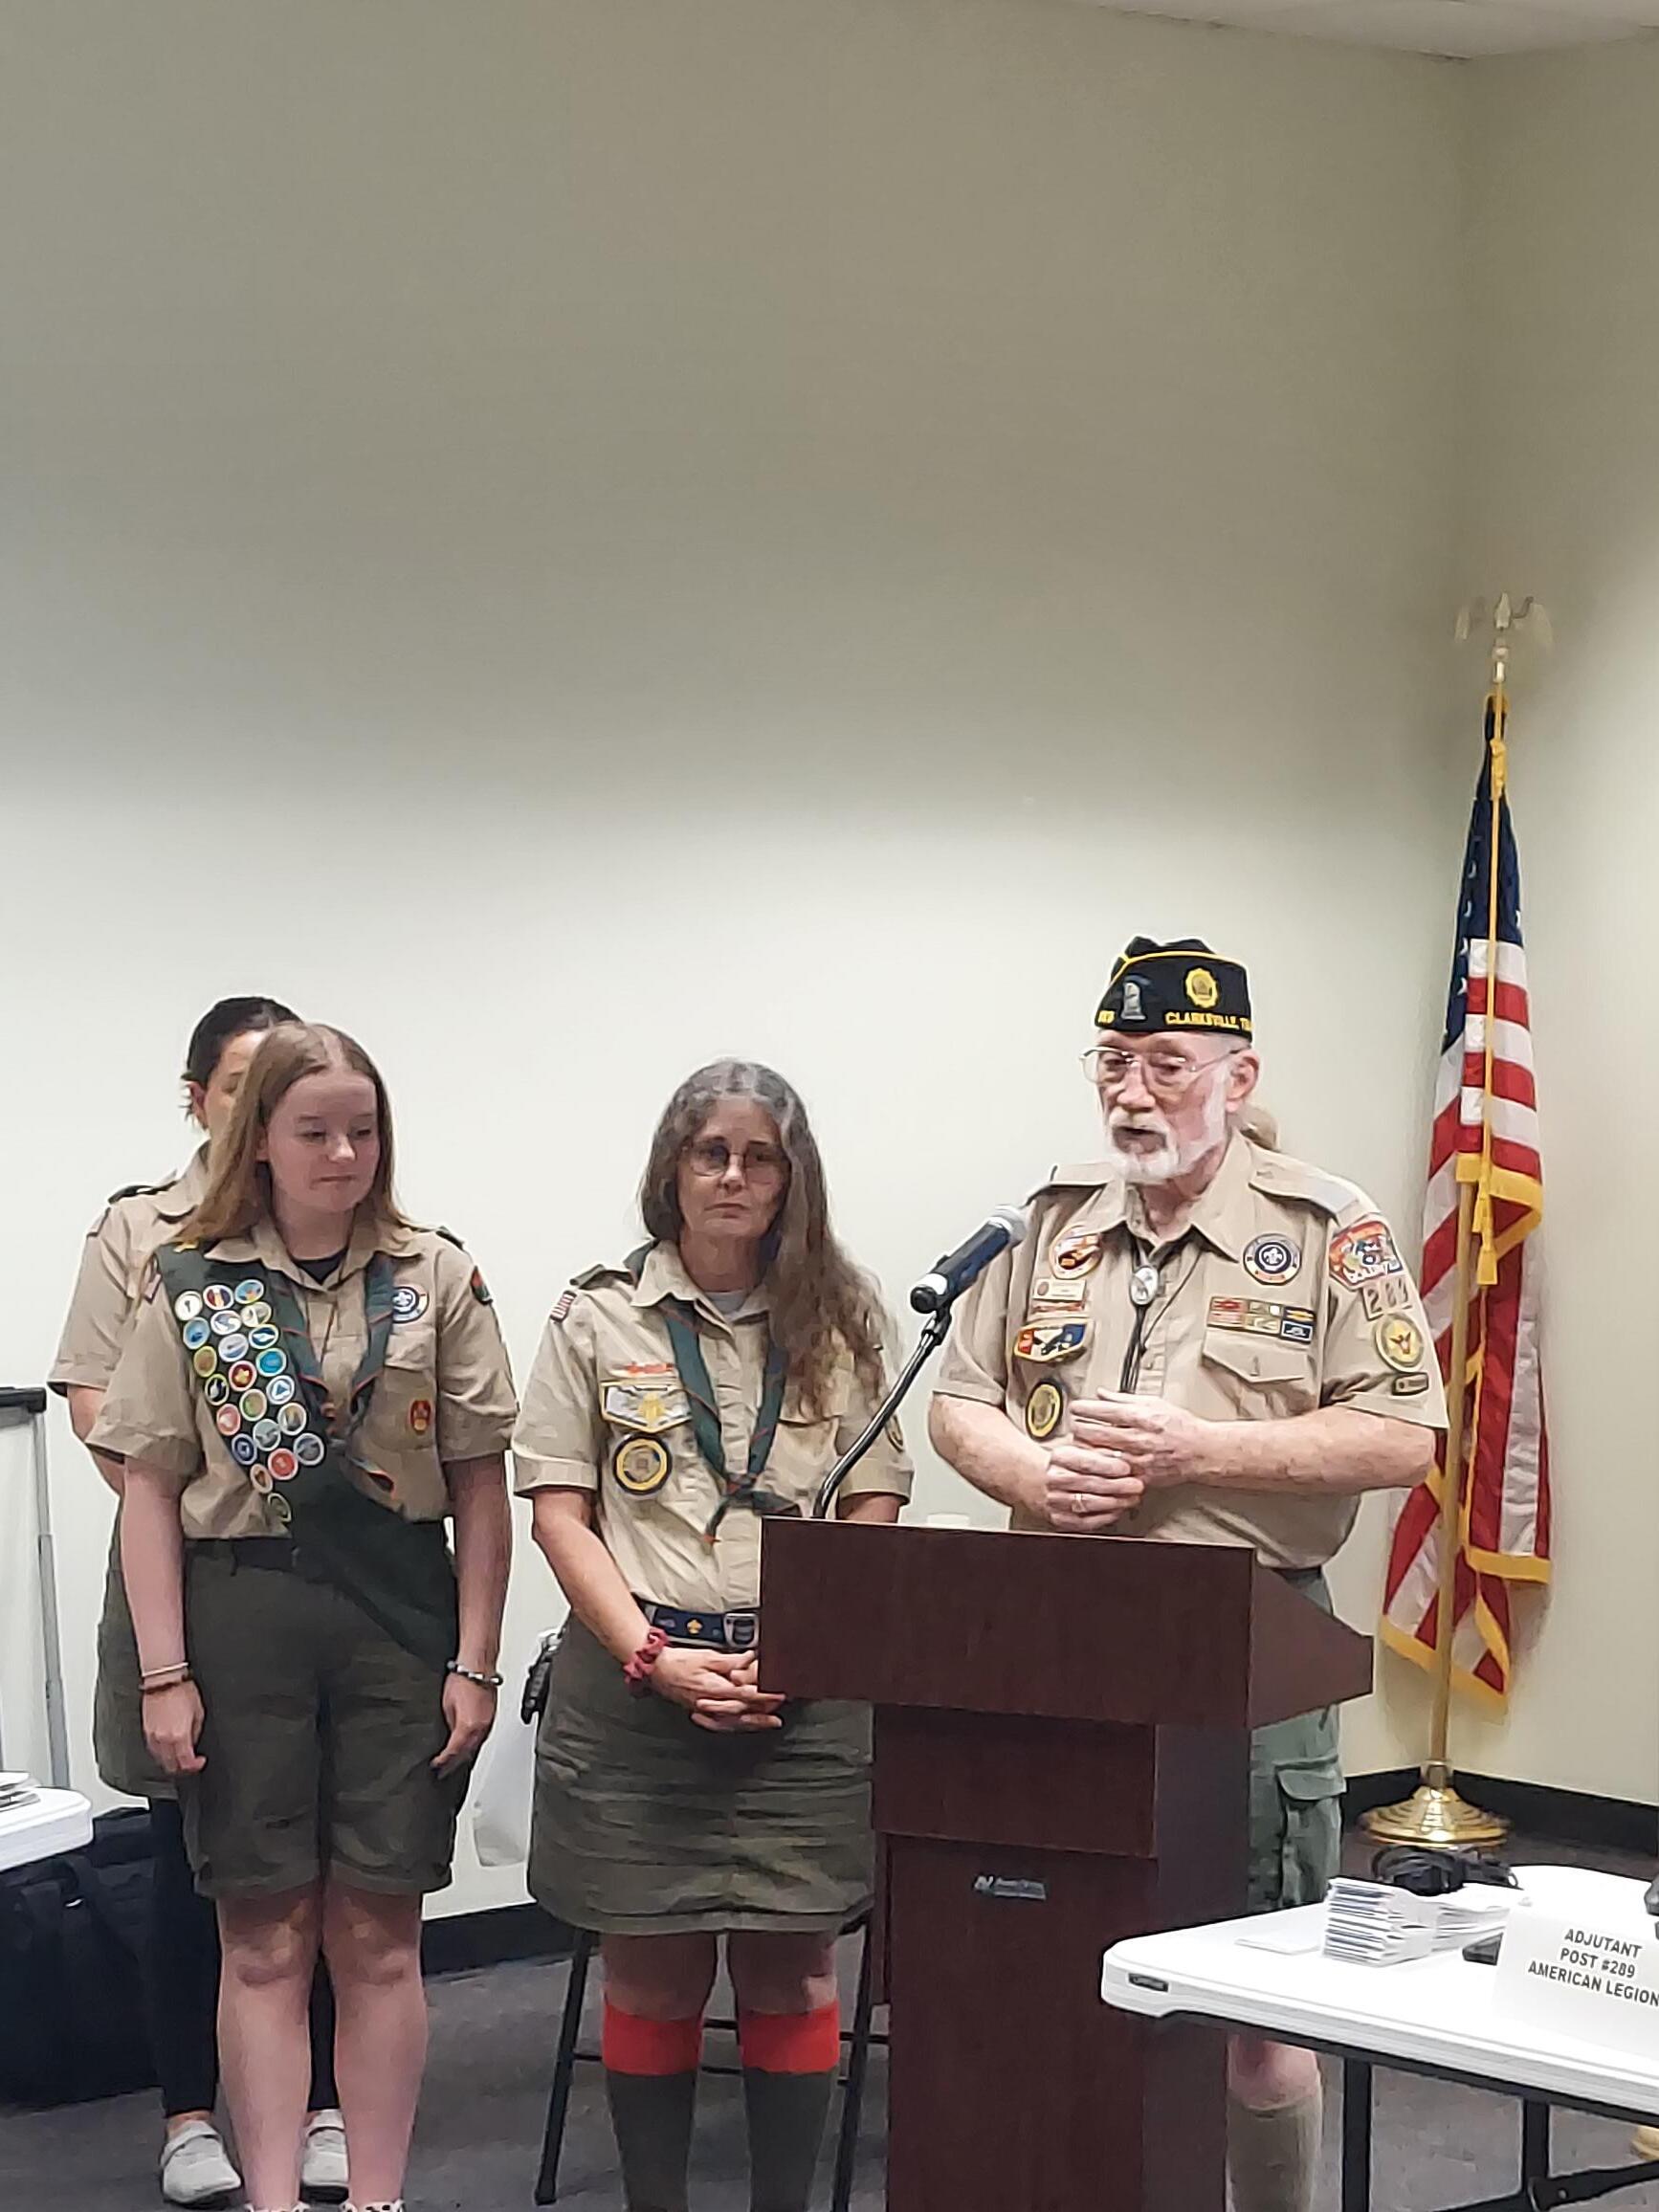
<point x="569" y="538"/>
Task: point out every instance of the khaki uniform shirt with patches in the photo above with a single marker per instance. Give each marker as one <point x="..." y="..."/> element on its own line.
<point x="1286" y="1291"/>
<point x="446" y="1391"/>
<point x="604" y="1373"/>
<point x="112" y="1271"/>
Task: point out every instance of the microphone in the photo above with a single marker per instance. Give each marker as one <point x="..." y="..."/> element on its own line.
<point x="951" y="1275"/>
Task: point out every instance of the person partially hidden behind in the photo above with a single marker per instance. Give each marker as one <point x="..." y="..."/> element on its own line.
<point x="1202" y="1341"/>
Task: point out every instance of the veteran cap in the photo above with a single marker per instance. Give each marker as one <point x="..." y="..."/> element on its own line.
<point x="1179" y="986"/>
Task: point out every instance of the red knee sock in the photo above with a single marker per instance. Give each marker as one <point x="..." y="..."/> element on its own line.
<point x="633" y="2045"/>
<point x="791" y="2042"/>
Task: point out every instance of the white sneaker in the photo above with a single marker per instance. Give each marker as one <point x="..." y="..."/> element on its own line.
<point x="323" y="2171"/>
<point x="196" y="2168"/>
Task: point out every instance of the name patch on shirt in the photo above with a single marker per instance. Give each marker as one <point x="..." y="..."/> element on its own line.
<point x="1263" y="1317"/>
<point x="1059" y="1293"/>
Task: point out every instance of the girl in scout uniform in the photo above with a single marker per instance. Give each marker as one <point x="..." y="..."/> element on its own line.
<point x="181" y="1951"/>
<point x="710" y="1379"/>
<point x="310" y="1388"/>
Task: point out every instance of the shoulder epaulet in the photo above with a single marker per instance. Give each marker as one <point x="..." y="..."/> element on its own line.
<point x="1078" y="1175"/>
<point x="1287" y="1178"/>
<point x="449" y="1237"/>
<point x="135" y="1191"/>
<point x="588" y="1277"/>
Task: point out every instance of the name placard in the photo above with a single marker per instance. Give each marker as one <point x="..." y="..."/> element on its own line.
<point x="1593" y="1982"/>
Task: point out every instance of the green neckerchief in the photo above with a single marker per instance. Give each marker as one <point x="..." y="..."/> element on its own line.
<point x="693" y="1374"/>
<point x="398" y="1571"/>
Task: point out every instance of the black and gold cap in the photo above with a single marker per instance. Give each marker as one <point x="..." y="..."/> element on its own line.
<point x="1179" y="986"/>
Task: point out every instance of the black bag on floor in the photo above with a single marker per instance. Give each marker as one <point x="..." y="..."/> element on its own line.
<point x="72" y="1936"/>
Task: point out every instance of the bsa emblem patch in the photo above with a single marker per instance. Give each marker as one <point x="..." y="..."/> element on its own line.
<point x="648" y="1408"/>
<point x="1361" y="1252"/>
<point x="1050" y="1342"/>
<point x="1202" y="988"/>
<point x="1043" y="1410"/>
<point x="1054" y="1292"/>
<point x="1272" y="1259"/>
<point x="1399" y="1342"/>
<point x="420" y="1416"/>
<point x="1387" y="1294"/>
<point x="641" y="1465"/>
<point x="409" y="1302"/>
<point x="1078" y="1253"/>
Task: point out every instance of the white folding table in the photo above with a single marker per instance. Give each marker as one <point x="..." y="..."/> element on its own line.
<point x="52" y="1821"/>
<point x="1433" y="2016"/>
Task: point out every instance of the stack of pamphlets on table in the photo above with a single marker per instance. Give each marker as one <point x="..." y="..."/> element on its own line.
<point x="17" y="1789"/>
<point x="1374" y="1924"/>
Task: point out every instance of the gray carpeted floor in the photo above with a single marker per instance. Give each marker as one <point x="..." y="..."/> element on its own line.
<point x="480" y="2125"/>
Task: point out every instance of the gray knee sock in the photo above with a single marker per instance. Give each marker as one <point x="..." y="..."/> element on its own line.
<point x="1274" y="2156"/>
<point x="651" y="2114"/>
<point x="786" y="2116"/>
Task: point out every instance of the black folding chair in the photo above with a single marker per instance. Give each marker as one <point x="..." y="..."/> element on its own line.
<point x="857" y="2038"/>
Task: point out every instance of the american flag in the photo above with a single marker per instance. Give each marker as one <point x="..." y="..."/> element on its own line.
<point x="1484" y="1138"/>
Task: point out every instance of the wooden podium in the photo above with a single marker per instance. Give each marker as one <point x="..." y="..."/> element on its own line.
<point x="1061" y="1760"/>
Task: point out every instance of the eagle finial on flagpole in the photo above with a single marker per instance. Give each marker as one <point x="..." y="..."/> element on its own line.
<point x="1503" y="616"/>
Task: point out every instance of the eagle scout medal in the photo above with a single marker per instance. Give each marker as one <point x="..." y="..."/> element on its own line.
<point x="641" y="1465"/>
<point x="1050" y="1342"/>
<point x="1043" y="1410"/>
<point x="1272" y="1259"/>
<point x="1399" y="1342"/>
<point x="1361" y="1252"/>
<point x="1078" y="1253"/>
<point x="420" y="1416"/>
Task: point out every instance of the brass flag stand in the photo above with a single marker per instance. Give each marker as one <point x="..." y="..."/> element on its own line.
<point x="1435" y="1817"/>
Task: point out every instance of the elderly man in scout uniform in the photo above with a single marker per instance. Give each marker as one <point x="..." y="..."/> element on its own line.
<point x="1203" y="1341"/>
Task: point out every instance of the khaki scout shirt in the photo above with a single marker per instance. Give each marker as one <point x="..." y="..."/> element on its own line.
<point x="605" y="1372"/>
<point x="112" y="1271"/>
<point x="445" y="1392"/>
<point x="1286" y="1291"/>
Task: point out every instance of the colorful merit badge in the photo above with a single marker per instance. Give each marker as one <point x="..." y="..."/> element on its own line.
<point x="1272" y="1259"/>
<point x="248" y="1289"/>
<point x="1361" y="1252"/>
<point x="420" y="1416"/>
<point x="1043" y="1410"/>
<point x="1050" y="1342"/>
<point x="1399" y="1342"/>
<point x="641" y="1465"/>
<point x="409" y="1302"/>
<point x="1079" y="1253"/>
<point x="217" y="1298"/>
<point x="187" y="1305"/>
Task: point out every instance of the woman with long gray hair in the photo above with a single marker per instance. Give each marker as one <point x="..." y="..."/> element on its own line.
<point x="708" y="1381"/>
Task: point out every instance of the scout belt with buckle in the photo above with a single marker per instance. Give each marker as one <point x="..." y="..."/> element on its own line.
<point x="734" y="1631"/>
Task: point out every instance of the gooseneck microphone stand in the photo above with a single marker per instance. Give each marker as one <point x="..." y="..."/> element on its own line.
<point x="935" y="1330"/>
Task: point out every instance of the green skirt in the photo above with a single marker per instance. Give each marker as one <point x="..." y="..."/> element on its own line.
<point x="645" y="1824"/>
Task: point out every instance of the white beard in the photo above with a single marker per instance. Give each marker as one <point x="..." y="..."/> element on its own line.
<point x="1170" y="1161"/>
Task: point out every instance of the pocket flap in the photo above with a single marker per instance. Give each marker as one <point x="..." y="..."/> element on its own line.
<point x="1313" y="1783"/>
<point x="1258" y="1358"/>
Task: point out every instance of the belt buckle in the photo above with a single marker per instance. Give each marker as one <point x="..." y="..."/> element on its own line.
<point x="743" y="1629"/>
